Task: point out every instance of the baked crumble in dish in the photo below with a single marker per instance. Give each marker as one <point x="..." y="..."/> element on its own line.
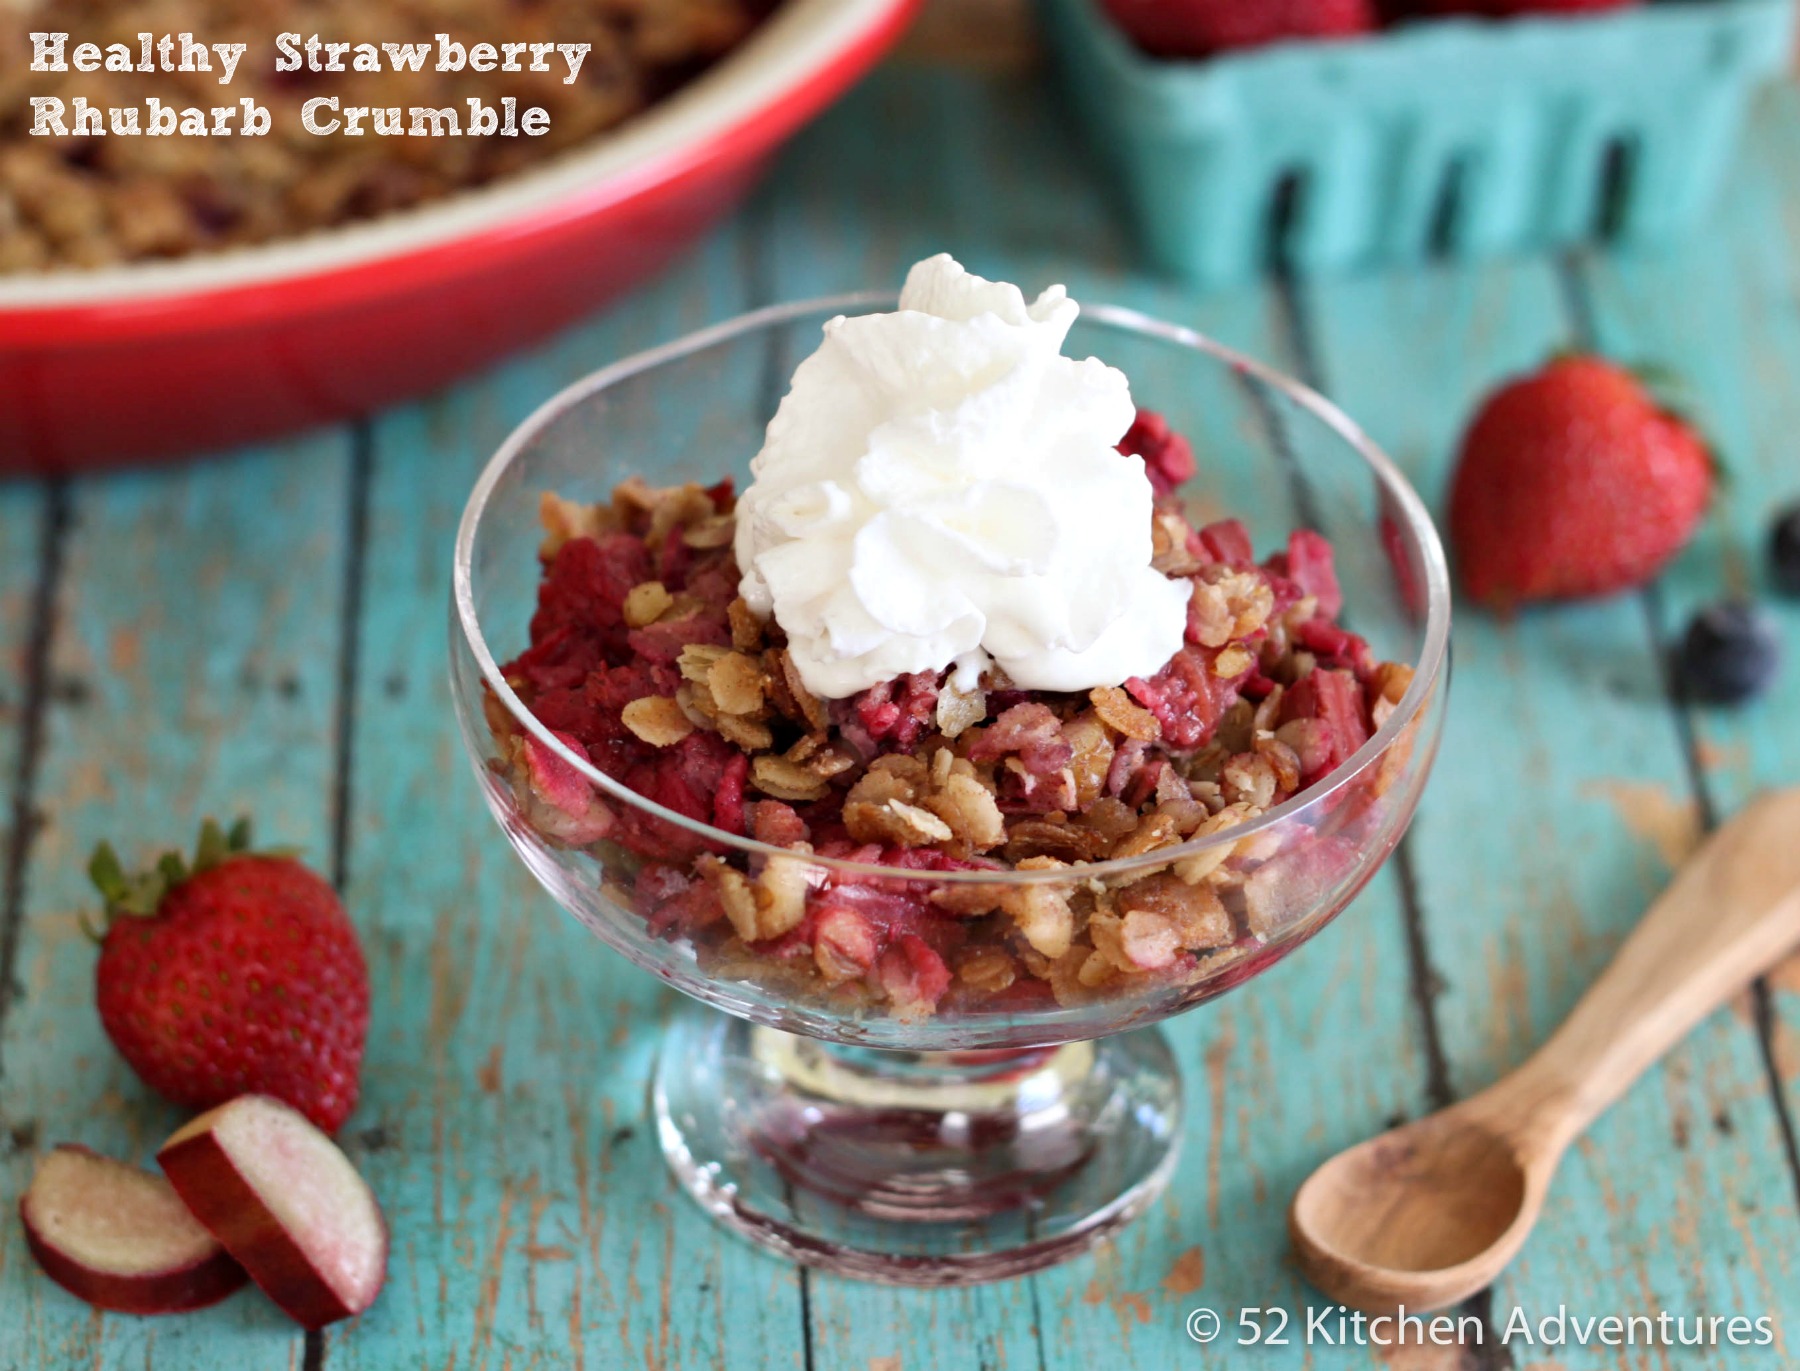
<point x="644" y="659"/>
<point x="80" y="202"/>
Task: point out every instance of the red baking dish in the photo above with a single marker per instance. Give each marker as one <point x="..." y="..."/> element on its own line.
<point x="172" y="358"/>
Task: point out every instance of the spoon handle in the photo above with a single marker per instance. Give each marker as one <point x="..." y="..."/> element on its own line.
<point x="1731" y="913"/>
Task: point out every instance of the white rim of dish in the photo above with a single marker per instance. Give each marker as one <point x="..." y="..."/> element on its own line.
<point x="791" y="43"/>
<point x="1432" y="656"/>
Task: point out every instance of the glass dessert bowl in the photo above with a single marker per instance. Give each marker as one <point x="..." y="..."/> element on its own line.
<point x="942" y="917"/>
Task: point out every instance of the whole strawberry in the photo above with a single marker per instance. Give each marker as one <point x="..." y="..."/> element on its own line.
<point x="1574" y="482"/>
<point x="240" y="974"/>
<point x="1200" y="28"/>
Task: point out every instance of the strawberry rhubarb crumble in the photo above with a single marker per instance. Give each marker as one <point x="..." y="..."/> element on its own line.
<point x="958" y="623"/>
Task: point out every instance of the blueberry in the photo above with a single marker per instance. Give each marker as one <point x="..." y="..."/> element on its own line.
<point x="1784" y="551"/>
<point x="1731" y="653"/>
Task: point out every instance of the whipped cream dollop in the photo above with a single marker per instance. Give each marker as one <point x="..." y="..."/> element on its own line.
<point x="940" y="487"/>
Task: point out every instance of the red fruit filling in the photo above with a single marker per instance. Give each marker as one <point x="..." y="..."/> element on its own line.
<point x="643" y="661"/>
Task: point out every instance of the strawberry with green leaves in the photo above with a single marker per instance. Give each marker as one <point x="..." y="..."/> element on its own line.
<point x="240" y="973"/>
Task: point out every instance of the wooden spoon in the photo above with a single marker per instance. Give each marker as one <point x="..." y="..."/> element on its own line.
<point x="1426" y="1215"/>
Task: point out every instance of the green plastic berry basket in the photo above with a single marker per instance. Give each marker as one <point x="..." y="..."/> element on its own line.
<point x="1456" y="138"/>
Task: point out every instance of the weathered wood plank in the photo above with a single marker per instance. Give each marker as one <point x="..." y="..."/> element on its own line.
<point x="1719" y="317"/>
<point x="194" y="667"/>
<point x="840" y="218"/>
<point x="991" y="34"/>
<point x="27" y="512"/>
<point x="505" y="1127"/>
<point x="921" y="160"/>
<point x="22" y="517"/>
<point x="1542" y="838"/>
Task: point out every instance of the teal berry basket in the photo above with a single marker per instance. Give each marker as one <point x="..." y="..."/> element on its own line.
<point x="1439" y="138"/>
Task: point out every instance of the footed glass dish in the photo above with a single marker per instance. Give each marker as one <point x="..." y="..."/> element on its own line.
<point x="996" y="1122"/>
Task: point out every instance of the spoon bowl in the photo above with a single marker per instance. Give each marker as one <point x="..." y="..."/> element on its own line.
<point x="1427" y="1212"/>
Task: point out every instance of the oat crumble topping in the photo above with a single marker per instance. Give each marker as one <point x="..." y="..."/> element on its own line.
<point x="643" y="659"/>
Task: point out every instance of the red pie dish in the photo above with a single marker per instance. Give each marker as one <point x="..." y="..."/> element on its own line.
<point x="171" y="358"/>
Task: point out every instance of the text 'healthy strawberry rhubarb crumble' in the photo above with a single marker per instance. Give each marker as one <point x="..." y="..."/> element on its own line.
<point x="958" y="623"/>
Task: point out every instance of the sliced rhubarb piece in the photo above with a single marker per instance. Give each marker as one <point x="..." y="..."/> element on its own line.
<point x="1286" y="888"/>
<point x="1310" y="562"/>
<point x="913" y="975"/>
<point x="286" y="1203"/>
<point x="120" y="1238"/>
<point x="1228" y="541"/>
<point x="1168" y="459"/>
<point x="1335" y="700"/>
<point x="556" y="798"/>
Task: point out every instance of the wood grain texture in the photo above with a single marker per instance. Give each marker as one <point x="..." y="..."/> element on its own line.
<point x="22" y="520"/>
<point x="990" y="34"/>
<point x="194" y="665"/>
<point x="1430" y="1213"/>
<point x="1730" y="913"/>
<point x="898" y="172"/>
<point x="505" y="1126"/>
<point x="30" y="542"/>
<point x="1719" y="317"/>
<point x="1534" y="857"/>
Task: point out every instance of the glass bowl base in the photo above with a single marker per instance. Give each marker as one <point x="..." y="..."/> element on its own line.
<point x="916" y="1168"/>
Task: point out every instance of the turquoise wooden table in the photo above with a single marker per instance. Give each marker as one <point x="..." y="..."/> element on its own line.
<point x="268" y="630"/>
